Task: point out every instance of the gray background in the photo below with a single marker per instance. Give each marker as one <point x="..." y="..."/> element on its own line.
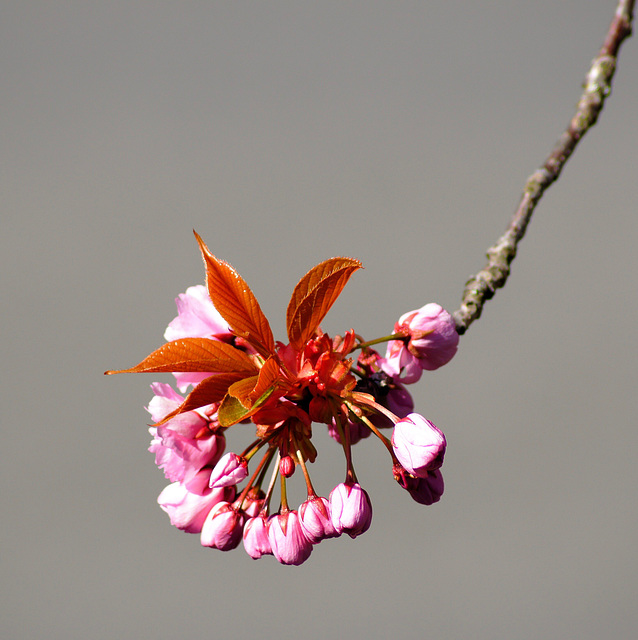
<point x="400" y="133"/>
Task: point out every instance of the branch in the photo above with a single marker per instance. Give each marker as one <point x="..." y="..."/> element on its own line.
<point x="483" y="285"/>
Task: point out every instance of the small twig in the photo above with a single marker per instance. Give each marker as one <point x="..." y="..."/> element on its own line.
<point x="483" y="285"/>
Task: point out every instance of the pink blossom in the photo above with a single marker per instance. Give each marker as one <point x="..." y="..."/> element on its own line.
<point x="418" y="445"/>
<point x="223" y="527"/>
<point x="428" y="490"/>
<point x="316" y="522"/>
<point x="253" y="502"/>
<point x="188" y="505"/>
<point x="287" y="539"/>
<point x="400" y="363"/>
<point x="186" y="443"/>
<point x="255" y="536"/>
<point x="196" y="318"/>
<point x="165" y="400"/>
<point x="350" y="509"/>
<point x="432" y="341"/>
<point x="433" y="336"/>
<point x="282" y="389"/>
<point x="230" y="470"/>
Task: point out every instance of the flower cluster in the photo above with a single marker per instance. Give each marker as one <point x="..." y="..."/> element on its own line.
<point x="222" y="353"/>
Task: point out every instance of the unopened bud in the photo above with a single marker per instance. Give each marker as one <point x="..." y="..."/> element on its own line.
<point x="230" y="470"/>
<point x="287" y="539"/>
<point x="286" y="466"/>
<point x="418" y="445"/>
<point x="255" y="537"/>
<point x="350" y="509"/>
<point x="316" y="521"/>
<point x="428" y="490"/>
<point x="223" y="527"/>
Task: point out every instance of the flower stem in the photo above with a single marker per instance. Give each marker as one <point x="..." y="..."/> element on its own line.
<point x="394" y="336"/>
<point x="386" y="441"/>
<point x="271" y="486"/>
<point x="261" y="468"/>
<point x="344" y="434"/>
<point x="302" y="464"/>
<point x="369" y="401"/>
<point x="252" y="449"/>
<point x="284" y="495"/>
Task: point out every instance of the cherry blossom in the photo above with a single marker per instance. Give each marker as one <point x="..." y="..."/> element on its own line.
<point x="222" y="346"/>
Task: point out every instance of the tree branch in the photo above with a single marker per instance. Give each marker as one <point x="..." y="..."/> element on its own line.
<point x="483" y="285"/>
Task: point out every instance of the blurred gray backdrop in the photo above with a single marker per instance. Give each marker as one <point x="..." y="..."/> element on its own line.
<point x="400" y="133"/>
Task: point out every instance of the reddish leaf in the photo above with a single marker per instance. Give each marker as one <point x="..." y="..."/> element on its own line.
<point x="269" y="378"/>
<point x="207" y="392"/>
<point x="248" y="390"/>
<point x="233" y="411"/>
<point x="313" y="296"/>
<point x="242" y="390"/>
<point x="194" y="354"/>
<point x="236" y="303"/>
<point x="246" y="396"/>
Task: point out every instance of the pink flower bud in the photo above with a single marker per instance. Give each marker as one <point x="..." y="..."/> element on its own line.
<point x="433" y="335"/>
<point x="256" y="540"/>
<point x="253" y="502"/>
<point x="230" y="470"/>
<point x="428" y="490"/>
<point x="287" y="539"/>
<point x="223" y="527"/>
<point x="316" y="521"/>
<point x="350" y="509"/>
<point x="400" y="363"/>
<point x="286" y="466"/>
<point x="418" y="445"/>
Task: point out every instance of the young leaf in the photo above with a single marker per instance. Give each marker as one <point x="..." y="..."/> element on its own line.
<point x="242" y="389"/>
<point x="269" y="378"/>
<point x="233" y="411"/>
<point x="250" y="389"/>
<point x="313" y="296"/>
<point x="194" y="354"/>
<point x="236" y="303"/>
<point x="207" y="392"/>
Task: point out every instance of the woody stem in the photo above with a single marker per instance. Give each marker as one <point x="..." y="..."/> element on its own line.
<point x="482" y="286"/>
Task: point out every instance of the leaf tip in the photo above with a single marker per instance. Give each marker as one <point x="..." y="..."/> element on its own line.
<point x="202" y="245"/>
